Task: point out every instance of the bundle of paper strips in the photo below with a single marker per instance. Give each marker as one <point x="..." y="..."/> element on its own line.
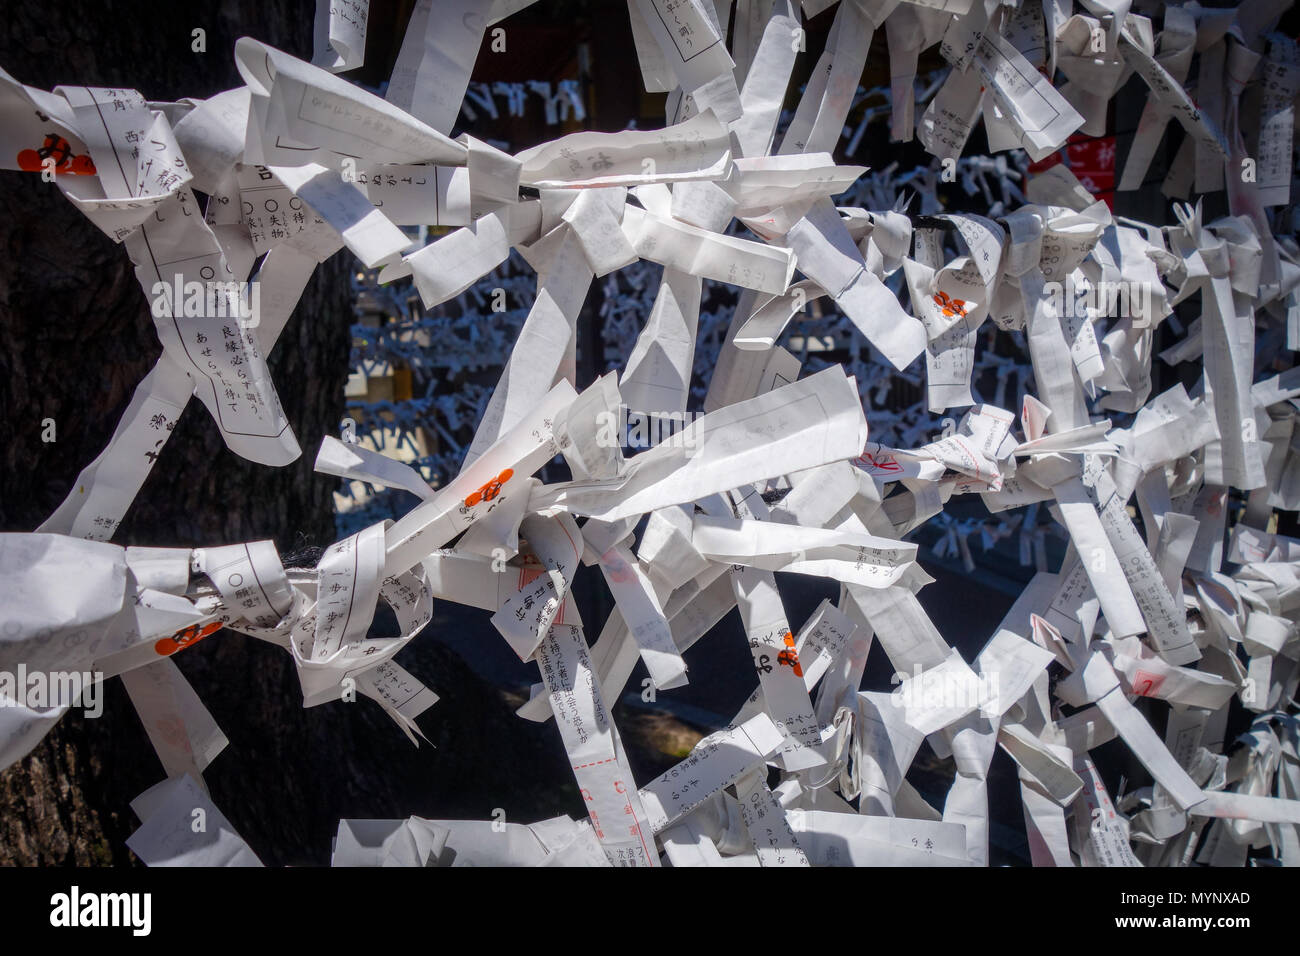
<point x="1175" y="585"/>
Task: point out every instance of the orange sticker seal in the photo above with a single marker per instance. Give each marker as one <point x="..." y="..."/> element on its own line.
<point x="949" y="306"/>
<point x="56" y="148"/>
<point x="489" y="490"/>
<point x="790" y="657"/>
<point x="185" y="637"/>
